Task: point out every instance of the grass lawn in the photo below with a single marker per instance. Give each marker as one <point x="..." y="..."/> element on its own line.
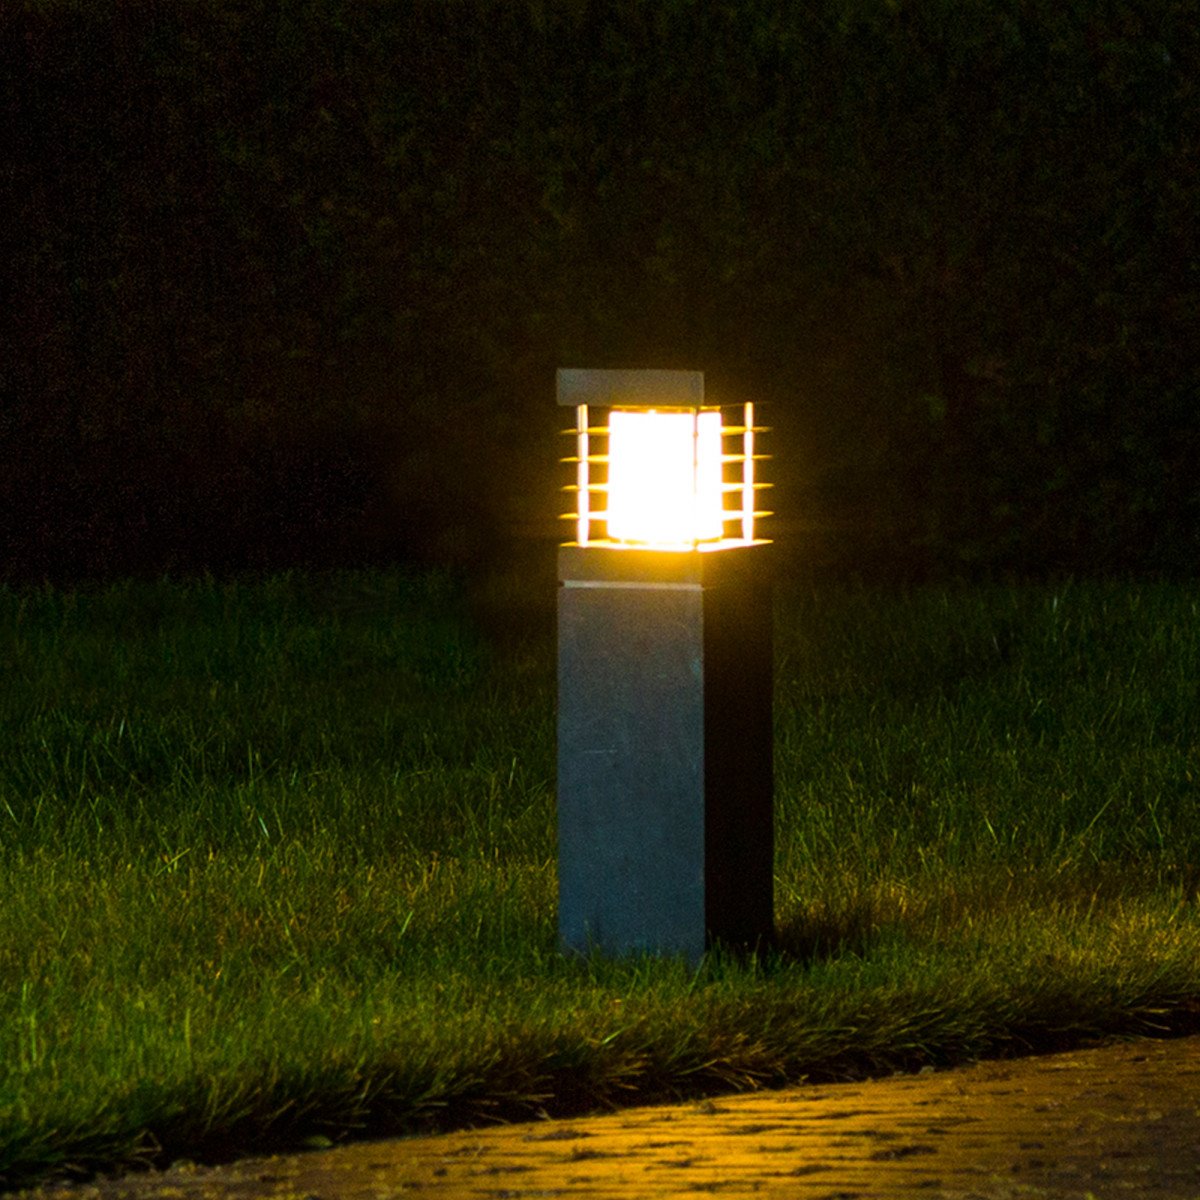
<point x="277" y="860"/>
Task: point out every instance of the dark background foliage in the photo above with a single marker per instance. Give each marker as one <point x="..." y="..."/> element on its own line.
<point x="289" y="278"/>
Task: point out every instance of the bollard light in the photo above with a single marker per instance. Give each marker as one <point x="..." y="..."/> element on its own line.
<point x="664" y="717"/>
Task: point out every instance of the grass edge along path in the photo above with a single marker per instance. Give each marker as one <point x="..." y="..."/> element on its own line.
<point x="309" y="1065"/>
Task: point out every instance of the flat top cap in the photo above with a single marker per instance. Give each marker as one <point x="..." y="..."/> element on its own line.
<point x="641" y="387"/>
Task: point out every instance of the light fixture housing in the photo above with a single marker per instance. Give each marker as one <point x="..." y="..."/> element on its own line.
<point x="658" y="468"/>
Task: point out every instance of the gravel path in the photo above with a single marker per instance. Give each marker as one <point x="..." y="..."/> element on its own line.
<point x="1119" y="1121"/>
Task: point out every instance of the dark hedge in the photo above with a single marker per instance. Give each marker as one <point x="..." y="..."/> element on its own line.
<point x="290" y="277"/>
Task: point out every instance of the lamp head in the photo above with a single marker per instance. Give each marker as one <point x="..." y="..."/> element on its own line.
<point x="662" y="460"/>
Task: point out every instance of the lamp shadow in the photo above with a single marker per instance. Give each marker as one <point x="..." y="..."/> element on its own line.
<point x="804" y="938"/>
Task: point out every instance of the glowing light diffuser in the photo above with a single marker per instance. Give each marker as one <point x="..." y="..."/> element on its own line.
<point x="664" y="477"/>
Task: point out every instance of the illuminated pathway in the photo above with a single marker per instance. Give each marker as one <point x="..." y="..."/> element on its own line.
<point x="1121" y="1121"/>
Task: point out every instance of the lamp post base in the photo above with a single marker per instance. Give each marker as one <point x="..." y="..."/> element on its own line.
<point x="665" y="813"/>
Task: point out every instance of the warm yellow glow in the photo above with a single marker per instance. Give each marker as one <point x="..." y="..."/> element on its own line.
<point x="664" y="477"/>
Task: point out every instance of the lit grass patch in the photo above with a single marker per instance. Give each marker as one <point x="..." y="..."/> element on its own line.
<point x="278" y="862"/>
